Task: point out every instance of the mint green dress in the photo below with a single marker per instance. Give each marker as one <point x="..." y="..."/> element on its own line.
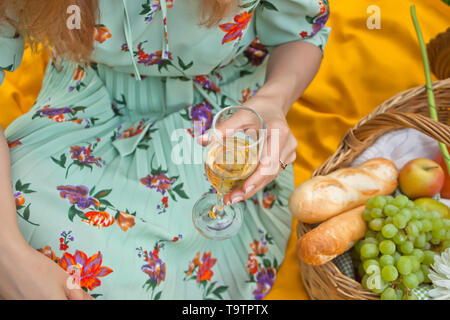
<point x="95" y="183"/>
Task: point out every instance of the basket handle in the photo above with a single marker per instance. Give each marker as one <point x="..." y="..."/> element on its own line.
<point x="398" y="120"/>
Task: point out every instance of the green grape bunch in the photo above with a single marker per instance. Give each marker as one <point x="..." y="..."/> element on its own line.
<point x="399" y="246"/>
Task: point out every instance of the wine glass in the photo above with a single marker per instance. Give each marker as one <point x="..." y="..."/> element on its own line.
<point x="235" y="144"/>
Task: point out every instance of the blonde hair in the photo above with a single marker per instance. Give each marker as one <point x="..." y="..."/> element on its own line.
<point x="44" y="22"/>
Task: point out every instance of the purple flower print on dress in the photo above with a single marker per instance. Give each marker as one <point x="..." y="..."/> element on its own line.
<point x="256" y="52"/>
<point x="159" y="181"/>
<point x="153" y="8"/>
<point x="202" y="113"/>
<point x="47" y="112"/>
<point x="83" y="155"/>
<point x="265" y="279"/>
<point x="67" y="234"/>
<point x="148" y="10"/>
<point x="149" y="59"/>
<point x="65" y="239"/>
<point x="155" y="268"/>
<point x="78" y="195"/>
<point x="318" y="21"/>
<point x="206" y="83"/>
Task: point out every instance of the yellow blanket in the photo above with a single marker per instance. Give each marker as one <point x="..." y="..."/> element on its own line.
<point x="362" y="68"/>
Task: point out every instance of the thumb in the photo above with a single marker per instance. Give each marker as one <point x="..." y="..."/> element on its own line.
<point x="78" y="294"/>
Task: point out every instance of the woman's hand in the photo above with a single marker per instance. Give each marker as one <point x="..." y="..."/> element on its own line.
<point x="290" y="69"/>
<point x="280" y="144"/>
<point x="28" y="274"/>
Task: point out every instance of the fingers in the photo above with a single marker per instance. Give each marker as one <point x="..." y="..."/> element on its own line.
<point x="78" y="294"/>
<point x="241" y="120"/>
<point x="269" y="166"/>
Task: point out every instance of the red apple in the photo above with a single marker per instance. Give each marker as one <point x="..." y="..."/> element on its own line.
<point x="421" y="178"/>
<point x="439" y="158"/>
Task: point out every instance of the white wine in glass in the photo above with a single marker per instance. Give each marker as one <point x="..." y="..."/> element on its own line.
<point x="231" y="156"/>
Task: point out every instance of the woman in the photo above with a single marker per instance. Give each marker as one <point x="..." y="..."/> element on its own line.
<point x="93" y="185"/>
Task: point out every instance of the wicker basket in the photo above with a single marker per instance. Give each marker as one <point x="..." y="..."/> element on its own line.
<point x="405" y="110"/>
<point x="439" y="55"/>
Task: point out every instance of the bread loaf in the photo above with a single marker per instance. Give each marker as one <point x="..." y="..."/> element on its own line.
<point x="332" y="237"/>
<point x="323" y="197"/>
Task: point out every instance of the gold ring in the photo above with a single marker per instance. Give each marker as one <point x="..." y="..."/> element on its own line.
<point x="283" y="164"/>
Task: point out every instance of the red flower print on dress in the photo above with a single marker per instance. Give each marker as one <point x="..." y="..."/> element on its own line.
<point x="90" y="268"/>
<point x="158" y="180"/>
<point x="125" y="220"/>
<point x="101" y="33"/>
<point x="15" y="143"/>
<point x="131" y="131"/>
<point x="143" y="127"/>
<point x="154" y="267"/>
<point x="78" y="75"/>
<point x="201" y="271"/>
<point x="149" y="59"/>
<point x="84" y="271"/>
<point x="303" y="34"/>
<point x="99" y="219"/>
<point x="256" y="52"/>
<point x="246" y="94"/>
<point x="204" y="271"/>
<point x="234" y="30"/>
<point x="18" y="197"/>
<point x="49" y="253"/>
<point x="206" y="83"/>
<point x="252" y="264"/>
<point x="268" y="199"/>
<point x="97" y="207"/>
<point x="260" y="268"/>
<point x="193" y="264"/>
<point x="259" y="248"/>
<point x="65" y="239"/>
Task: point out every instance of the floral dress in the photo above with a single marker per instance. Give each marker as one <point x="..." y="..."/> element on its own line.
<point x="96" y="185"/>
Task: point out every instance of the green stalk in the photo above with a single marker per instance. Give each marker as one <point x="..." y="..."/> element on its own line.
<point x="429" y="85"/>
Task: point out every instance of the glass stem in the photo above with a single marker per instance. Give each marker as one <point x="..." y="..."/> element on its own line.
<point x="217" y="210"/>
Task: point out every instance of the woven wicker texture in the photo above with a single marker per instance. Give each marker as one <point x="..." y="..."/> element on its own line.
<point x="439" y="55"/>
<point x="408" y="109"/>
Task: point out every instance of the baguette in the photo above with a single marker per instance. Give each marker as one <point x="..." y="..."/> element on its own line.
<point x="323" y="197"/>
<point x="332" y="237"/>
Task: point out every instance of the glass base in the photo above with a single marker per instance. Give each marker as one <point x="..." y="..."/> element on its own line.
<point x="227" y="222"/>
